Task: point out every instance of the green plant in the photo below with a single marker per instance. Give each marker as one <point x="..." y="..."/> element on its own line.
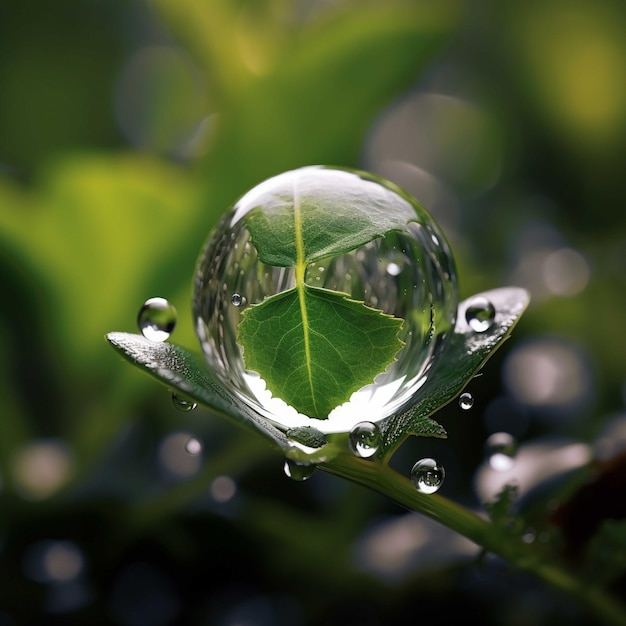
<point x="257" y="307"/>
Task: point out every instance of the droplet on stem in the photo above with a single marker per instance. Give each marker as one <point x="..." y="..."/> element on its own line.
<point x="236" y="299"/>
<point x="480" y="314"/>
<point x="182" y="404"/>
<point x="298" y="471"/>
<point x="427" y="476"/>
<point x="157" y="319"/>
<point x="466" y="401"/>
<point x="364" y="439"/>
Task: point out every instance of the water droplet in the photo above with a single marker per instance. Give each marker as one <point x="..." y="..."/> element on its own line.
<point x="480" y="314"/>
<point x="182" y="404"/>
<point x="500" y="450"/>
<point x="466" y="401"/>
<point x="365" y="439"/>
<point x="193" y="446"/>
<point x="236" y="299"/>
<point x="157" y="319"/>
<point x="427" y="476"/>
<point x="298" y="471"/>
<point x="426" y="264"/>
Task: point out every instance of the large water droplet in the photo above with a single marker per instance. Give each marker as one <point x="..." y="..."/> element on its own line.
<point x="500" y="450"/>
<point x="427" y="476"/>
<point x="466" y="401"/>
<point x="480" y="314"/>
<point x="157" y="319"/>
<point x="183" y="404"/>
<point x="298" y="471"/>
<point x="364" y="439"/>
<point x="236" y="299"/>
<point x="423" y="293"/>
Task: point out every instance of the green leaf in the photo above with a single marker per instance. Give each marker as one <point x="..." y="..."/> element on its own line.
<point x="465" y="353"/>
<point x="302" y="220"/>
<point x="315" y="347"/>
<point x="181" y="370"/>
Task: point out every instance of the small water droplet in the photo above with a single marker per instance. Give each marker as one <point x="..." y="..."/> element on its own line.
<point x="480" y="314"/>
<point x="156" y="319"/>
<point x="298" y="471"/>
<point x="427" y="476"/>
<point x="193" y="446"/>
<point x="182" y="404"/>
<point x="236" y="299"/>
<point x="466" y="401"/>
<point x="500" y="450"/>
<point x="365" y="439"/>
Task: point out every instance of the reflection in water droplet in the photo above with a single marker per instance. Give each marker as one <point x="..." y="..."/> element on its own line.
<point x="365" y="439"/>
<point x="183" y="405"/>
<point x="193" y="446"/>
<point x="480" y="314"/>
<point x="466" y="401"/>
<point x="427" y="476"/>
<point x="236" y="299"/>
<point x="157" y="319"/>
<point x="298" y="471"/>
<point x="423" y="293"/>
<point x="500" y="450"/>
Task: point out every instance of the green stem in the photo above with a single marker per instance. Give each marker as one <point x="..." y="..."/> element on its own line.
<point x="382" y="478"/>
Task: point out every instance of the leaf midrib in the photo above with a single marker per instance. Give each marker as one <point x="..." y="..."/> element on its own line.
<point x="300" y="270"/>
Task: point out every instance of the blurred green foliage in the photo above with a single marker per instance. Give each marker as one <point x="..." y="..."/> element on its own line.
<point x="127" y="128"/>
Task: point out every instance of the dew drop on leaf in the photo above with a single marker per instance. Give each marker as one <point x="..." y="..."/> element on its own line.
<point x="480" y="314"/>
<point x="236" y="299"/>
<point x="157" y="319"/>
<point x="182" y="404"/>
<point x="298" y="471"/>
<point x="466" y="401"/>
<point x="319" y="254"/>
<point x="364" y="439"/>
<point x="500" y="450"/>
<point x="427" y="476"/>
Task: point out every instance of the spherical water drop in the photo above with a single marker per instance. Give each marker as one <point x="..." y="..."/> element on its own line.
<point x="466" y="401"/>
<point x="500" y="450"/>
<point x="480" y="314"/>
<point x="364" y="439"/>
<point x="342" y="261"/>
<point x="182" y="404"/>
<point x="427" y="476"/>
<point x="156" y="319"/>
<point x="298" y="471"/>
<point x="236" y="299"/>
<point x="193" y="446"/>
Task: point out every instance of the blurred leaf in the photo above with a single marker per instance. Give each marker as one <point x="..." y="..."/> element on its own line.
<point x="68" y="236"/>
<point x="317" y="103"/>
<point x="607" y="552"/>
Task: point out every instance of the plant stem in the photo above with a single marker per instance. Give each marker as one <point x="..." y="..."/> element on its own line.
<point x="382" y="478"/>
